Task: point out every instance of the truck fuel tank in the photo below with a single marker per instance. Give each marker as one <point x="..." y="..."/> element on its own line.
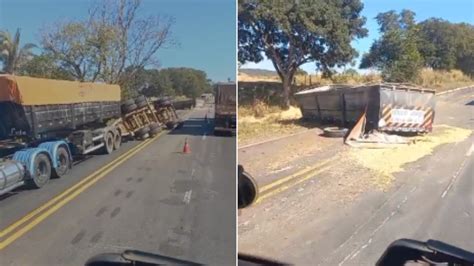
<point x="11" y="173"/>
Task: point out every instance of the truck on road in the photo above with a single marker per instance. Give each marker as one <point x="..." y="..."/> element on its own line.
<point x="45" y="124"/>
<point x="225" y="117"/>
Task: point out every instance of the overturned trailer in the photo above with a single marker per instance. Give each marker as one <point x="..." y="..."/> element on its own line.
<point x="390" y="107"/>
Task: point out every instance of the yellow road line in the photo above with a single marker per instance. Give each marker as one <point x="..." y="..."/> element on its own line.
<point x="54" y="200"/>
<point x="308" y="175"/>
<point x="58" y="197"/>
<point x="299" y="173"/>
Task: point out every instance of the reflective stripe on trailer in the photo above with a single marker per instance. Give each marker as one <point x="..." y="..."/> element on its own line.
<point x="388" y="125"/>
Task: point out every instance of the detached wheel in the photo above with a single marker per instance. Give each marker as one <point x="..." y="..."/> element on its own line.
<point x="108" y="143"/>
<point x="41" y="172"/>
<point x="64" y="162"/>
<point x="143" y="132"/>
<point x="334" y="132"/>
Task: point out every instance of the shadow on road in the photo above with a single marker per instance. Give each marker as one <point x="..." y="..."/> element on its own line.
<point x="195" y="127"/>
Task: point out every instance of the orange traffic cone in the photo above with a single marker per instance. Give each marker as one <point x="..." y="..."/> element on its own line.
<point x="186" y="148"/>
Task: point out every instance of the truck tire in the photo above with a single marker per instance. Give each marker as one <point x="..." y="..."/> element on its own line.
<point x="170" y="124"/>
<point x="108" y="143"/>
<point x="142" y="133"/>
<point x="41" y="172"/>
<point x="117" y="139"/>
<point x="141" y="102"/>
<point x="130" y="108"/>
<point x="155" y="128"/>
<point x="126" y="105"/>
<point x="64" y="162"/>
<point x="334" y="132"/>
<point x="165" y="103"/>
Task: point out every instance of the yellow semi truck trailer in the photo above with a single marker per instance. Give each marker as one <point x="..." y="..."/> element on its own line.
<point x="45" y="124"/>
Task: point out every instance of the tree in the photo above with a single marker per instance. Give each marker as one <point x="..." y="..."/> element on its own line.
<point x="159" y="84"/>
<point x="447" y="45"/>
<point x="292" y="33"/>
<point x="11" y="55"/>
<point x="189" y="82"/>
<point x="112" y="39"/>
<point x="396" y="52"/>
<point x="44" y="66"/>
<point x="166" y="82"/>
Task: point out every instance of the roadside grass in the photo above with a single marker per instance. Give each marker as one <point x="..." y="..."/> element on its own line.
<point x="438" y="80"/>
<point x="261" y="122"/>
<point x="443" y="80"/>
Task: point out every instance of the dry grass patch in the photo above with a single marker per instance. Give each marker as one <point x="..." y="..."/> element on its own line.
<point x="261" y="122"/>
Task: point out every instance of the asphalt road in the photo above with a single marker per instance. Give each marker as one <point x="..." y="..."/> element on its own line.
<point x="154" y="198"/>
<point x="432" y="199"/>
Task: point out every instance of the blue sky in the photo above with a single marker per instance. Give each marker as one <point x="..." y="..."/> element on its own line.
<point x="205" y="29"/>
<point x="451" y="10"/>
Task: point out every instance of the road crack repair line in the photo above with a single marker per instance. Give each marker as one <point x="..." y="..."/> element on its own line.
<point x="367" y="243"/>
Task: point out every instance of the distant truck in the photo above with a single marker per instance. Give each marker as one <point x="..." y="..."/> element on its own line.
<point x="45" y="124"/>
<point x="225" y="118"/>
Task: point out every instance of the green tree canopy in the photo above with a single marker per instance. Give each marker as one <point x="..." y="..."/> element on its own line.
<point x="396" y="52"/>
<point x="44" y="66"/>
<point x="187" y="82"/>
<point x="292" y="33"/>
<point x="447" y="45"/>
<point x="405" y="46"/>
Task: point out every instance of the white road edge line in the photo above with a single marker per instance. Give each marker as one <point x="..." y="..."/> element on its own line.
<point x="470" y="151"/>
<point x="453" y="179"/>
<point x="356" y="252"/>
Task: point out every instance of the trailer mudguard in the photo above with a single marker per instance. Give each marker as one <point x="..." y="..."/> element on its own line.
<point x="52" y="148"/>
<point x="27" y="157"/>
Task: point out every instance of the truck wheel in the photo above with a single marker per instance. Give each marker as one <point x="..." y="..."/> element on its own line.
<point x="127" y="104"/>
<point x="130" y="108"/>
<point x="141" y="102"/>
<point x="117" y="139"/>
<point x="143" y="132"/>
<point x="334" y="132"/>
<point x="41" y="172"/>
<point x="64" y="162"/>
<point x="170" y="124"/>
<point x="166" y="103"/>
<point x="155" y="128"/>
<point x="108" y="143"/>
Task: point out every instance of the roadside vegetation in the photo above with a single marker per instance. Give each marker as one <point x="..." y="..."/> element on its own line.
<point x="113" y="44"/>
